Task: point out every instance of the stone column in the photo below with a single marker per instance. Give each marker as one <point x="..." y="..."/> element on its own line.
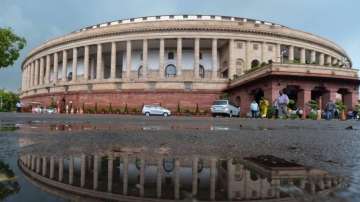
<point x="304" y="96"/>
<point x="82" y="170"/>
<point x="52" y="161"/>
<point x="86" y="63"/>
<point x="177" y="179"/>
<point x="44" y="166"/>
<point x="195" y="176"/>
<point x="36" y="72"/>
<point x="42" y="71"/>
<point x="110" y="173"/>
<point x="158" y="178"/>
<point x="61" y="169"/>
<point x="321" y="59"/>
<point x="232" y="68"/>
<point x="32" y="65"/>
<point x="196" y="58"/>
<point x="99" y="69"/>
<point x="74" y="65"/>
<point x="291" y="54"/>
<point x="302" y="56"/>
<point x="162" y="58"/>
<point x="113" y="60"/>
<point x="64" y="64"/>
<point x="125" y="174"/>
<point x="142" y="176"/>
<point x="71" y="170"/>
<point x="38" y="164"/>
<point x="128" y="59"/>
<point x="179" y="56"/>
<point x="313" y="57"/>
<point x="278" y="53"/>
<point x="214" y="54"/>
<point x="96" y="172"/>
<point x="351" y="100"/>
<point x="48" y="68"/>
<point x="56" y="67"/>
<point x="32" y="162"/>
<point x="247" y="60"/>
<point x="212" y="178"/>
<point x="145" y="58"/>
<point x="329" y="60"/>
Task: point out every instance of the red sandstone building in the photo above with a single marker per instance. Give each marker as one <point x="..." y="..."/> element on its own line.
<point x="187" y="61"/>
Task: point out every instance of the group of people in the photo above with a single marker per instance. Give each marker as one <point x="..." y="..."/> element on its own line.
<point x="261" y="109"/>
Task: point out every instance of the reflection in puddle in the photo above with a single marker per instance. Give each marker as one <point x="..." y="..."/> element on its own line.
<point x="8" y="183"/>
<point x="127" y="175"/>
<point x="6" y="127"/>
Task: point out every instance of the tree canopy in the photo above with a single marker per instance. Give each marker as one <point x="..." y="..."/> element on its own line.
<point x="10" y="46"/>
<point x="8" y="100"/>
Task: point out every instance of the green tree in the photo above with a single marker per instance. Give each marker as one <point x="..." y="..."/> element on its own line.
<point x="8" y="101"/>
<point x="10" y="46"/>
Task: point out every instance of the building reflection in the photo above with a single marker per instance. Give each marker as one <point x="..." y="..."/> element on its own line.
<point x="128" y="175"/>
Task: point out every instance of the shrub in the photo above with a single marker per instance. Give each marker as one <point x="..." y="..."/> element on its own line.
<point x="313" y="105"/>
<point x="110" y="109"/>
<point x="197" y="111"/>
<point x="271" y="112"/>
<point x="178" y="110"/>
<point x="340" y="106"/>
<point x="313" y="115"/>
<point x="292" y="104"/>
<point x="126" y="110"/>
<point x="96" y="107"/>
<point x="224" y="96"/>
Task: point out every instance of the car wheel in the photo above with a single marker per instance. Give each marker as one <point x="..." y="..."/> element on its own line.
<point x="165" y="114"/>
<point x="147" y="114"/>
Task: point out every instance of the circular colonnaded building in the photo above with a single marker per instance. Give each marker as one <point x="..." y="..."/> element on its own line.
<point x="186" y="61"/>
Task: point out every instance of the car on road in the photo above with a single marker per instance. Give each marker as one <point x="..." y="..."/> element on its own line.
<point x="150" y="110"/>
<point x="224" y="107"/>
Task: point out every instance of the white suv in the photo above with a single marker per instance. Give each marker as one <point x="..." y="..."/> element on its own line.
<point x="155" y="110"/>
<point x="224" y="107"/>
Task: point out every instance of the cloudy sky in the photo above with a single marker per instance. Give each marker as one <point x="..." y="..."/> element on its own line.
<point x="40" y="20"/>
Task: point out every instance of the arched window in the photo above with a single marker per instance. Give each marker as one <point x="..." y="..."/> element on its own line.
<point x="140" y="72"/>
<point x="239" y="66"/>
<point x="170" y="71"/>
<point x="201" y="71"/>
<point x="255" y="64"/>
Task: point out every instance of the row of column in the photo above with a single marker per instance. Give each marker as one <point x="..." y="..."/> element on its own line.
<point x="37" y="72"/>
<point x="33" y="73"/>
<point x="39" y="165"/>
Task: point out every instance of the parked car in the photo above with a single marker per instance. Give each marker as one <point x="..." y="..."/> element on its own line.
<point x="149" y="110"/>
<point x="224" y="107"/>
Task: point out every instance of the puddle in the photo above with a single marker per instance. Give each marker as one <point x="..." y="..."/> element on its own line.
<point x="140" y="176"/>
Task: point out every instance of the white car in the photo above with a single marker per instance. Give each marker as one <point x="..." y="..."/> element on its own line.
<point x="224" y="107"/>
<point x="149" y="110"/>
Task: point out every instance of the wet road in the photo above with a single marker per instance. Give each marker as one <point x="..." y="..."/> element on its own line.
<point x="331" y="146"/>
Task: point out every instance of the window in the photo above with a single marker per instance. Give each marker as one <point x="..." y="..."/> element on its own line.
<point x="202" y="71"/>
<point x="255" y="64"/>
<point x="170" y="71"/>
<point x="255" y="46"/>
<point x="270" y="48"/>
<point x="140" y="72"/>
<point x="171" y="56"/>
<point x="239" y="45"/>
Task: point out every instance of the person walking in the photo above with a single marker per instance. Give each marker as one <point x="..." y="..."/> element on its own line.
<point x="18" y="106"/>
<point x="264" y="105"/>
<point x="254" y="107"/>
<point x="282" y="102"/>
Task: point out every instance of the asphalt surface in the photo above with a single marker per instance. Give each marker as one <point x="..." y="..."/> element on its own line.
<point x="333" y="146"/>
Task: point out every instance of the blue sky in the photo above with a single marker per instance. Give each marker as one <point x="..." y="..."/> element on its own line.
<point x="40" y="20"/>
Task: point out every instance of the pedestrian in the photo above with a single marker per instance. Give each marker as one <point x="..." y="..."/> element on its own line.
<point x="254" y="107"/>
<point x="282" y="102"/>
<point x="330" y="110"/>
<point x="18" y="107"/>
<point x="264" y="105"/>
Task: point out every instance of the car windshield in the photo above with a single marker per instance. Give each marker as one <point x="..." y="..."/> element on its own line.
<point x="220" y="102"/>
